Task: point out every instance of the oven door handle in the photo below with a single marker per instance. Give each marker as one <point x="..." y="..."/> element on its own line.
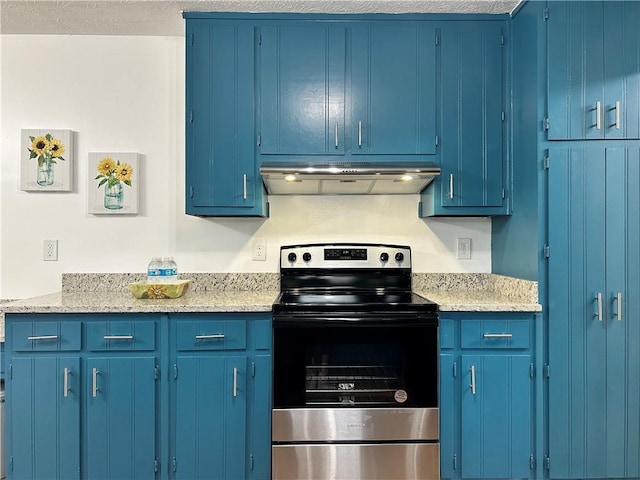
<point x="396" y="320"/>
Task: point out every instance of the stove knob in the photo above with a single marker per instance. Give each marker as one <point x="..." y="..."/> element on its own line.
<point x="399" y="257"/>
<point x="306" y="256"/>
<point x="292" y="257"/>
<point x="384" y="257"/>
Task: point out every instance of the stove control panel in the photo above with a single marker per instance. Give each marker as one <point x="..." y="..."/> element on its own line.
<point x="345" y="256"/>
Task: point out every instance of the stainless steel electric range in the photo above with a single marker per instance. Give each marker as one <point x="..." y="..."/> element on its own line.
<point x="355" y="366"/>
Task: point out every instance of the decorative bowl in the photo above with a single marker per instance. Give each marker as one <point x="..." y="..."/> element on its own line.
<point x="159" y="290"/>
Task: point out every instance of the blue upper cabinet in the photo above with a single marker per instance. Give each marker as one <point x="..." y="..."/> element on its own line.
<point x="393" y="89"/>
<point x="302" y="90"/>
<point x="472" y="181"/>
<point x="221" y="172"/>
<point x="593" y="95"/>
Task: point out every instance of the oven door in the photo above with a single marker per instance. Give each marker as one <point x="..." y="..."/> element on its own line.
<point x="355" y="397"/>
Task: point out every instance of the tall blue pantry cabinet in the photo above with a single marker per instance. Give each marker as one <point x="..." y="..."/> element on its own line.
<point x="576" y="225"/>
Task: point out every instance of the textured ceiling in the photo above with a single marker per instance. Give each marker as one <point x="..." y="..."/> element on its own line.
<point x="163" y="17"/>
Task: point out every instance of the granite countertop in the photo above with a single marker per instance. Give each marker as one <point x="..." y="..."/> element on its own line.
<point x="90" y="293"/>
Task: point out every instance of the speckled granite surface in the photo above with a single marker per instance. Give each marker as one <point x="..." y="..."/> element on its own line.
<point x="477" y="292"/>
<point x="221" y="292"/>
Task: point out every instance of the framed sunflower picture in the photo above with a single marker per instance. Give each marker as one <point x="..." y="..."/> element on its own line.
<point x="114" y="183"/>
<point x="46" y="160"/>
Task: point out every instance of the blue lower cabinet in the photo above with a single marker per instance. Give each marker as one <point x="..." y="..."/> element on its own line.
<point x="210" y="418"/>
<point x="121" y="418"/>
<point x="43" y="420"/>
<point x="487" y="396"/>
<point x="138" y="396"/>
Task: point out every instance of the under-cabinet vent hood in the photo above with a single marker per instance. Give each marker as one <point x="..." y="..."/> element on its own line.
<point x="347" y="178"/>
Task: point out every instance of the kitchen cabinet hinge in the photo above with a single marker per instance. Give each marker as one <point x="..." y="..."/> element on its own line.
<point x="191" y="192"/>
<point x="260" y="39"/>
<point x="192" y="39"/>
<point x="156" y="373"/>
<point x="437" y="41"/>
<point x="502" y="40"/>
<point x="253" y="369"/>
<point x="174" y="464"/>
<point x="504" y="194"/>
<point x="190" y="116"/>
<point x="175" y="371"/>
<point x="547" y="371"/>
<point x="532" y="462"/>
<point x="455" y="462"/>
<point x="437" y="139"/>
<point x="156" y="465"/>
<point x="259" y="140"/>
<point x="11" y="464"/>
<point x="545" y="162"/>
<point x="532" y="370"/>
<point x="503" y="115"/>
<point x="547" y="251"/>
<point x="250" y="462"/>
<point x="546" y="123"/>
<point x="547" y="463"/>
<point x="455" y="370"/>
<point x="545" y="13"/>
<point x="11" y="371"/>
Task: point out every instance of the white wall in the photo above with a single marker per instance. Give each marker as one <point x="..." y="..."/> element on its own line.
<point x="127" y="94"/>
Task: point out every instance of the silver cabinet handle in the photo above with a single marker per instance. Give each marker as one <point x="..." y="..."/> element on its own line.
<point x="598" y="113"/>
<point x="244" y="186"/>
<point x="617" y="125"/>
<point x="360" y="133"/>
<point x="43" y="337"/>
<point x="94" y="375"/>
<point x="598" y="299"/>
<point x="235" y="381"/>
<point x="451" y="186"/>
<point x="66" y="382"/>
<point x="206" y="337"/>
<point x="497" y="335"/>
<point x="336" y="132"/>
<point x="473" y="379"/>
<point x="618" y="299"/>
<point x="118" y="337"/>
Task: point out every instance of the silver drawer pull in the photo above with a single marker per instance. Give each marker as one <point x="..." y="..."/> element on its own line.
<point x="207" y="337"/>
<point x="497" y="335"/>
<point x="118" y="337"/>
<point x="44" y="337"/>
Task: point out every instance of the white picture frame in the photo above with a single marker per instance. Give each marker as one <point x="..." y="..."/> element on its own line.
<point x="113" y="183"/>
<point x="46" y="160"/>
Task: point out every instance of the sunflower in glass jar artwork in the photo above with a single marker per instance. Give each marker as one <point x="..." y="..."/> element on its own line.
<point x="112" y="174"/>
<point x="46" y="149"/>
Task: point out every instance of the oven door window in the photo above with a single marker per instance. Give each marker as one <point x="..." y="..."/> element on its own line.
<point x="355" y="366"/>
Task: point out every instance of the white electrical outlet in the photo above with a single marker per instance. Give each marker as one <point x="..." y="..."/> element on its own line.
<point x="50" y="250"/>
<point x="260" y="249"/>
<point x="464" y="248"/>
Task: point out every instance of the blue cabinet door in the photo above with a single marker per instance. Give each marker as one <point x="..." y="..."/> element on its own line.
<point x="449" y="428"/>
<point x="210" y="417"/>
<point x="496" y="416"/>
<point x="594" y="386"/>
<point x="393" y="75"/>
<point x="593" y="68"/>
<point x="302" y="89"/>
<point x="221" y="173"/>
<point x="472" y="148"/>
<point x="120" y="424"/>
<point x="43" y="420"/>
<point x="260" y="418"/>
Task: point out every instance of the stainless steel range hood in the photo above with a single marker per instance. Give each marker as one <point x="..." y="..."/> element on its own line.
<point x="347" y="178"/>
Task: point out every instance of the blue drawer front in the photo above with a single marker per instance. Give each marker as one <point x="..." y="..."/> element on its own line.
<point x="509" y="334"/>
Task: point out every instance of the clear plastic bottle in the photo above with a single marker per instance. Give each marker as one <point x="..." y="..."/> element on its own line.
<point x="168" y="270"/>
<point x="153" y="270"/>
